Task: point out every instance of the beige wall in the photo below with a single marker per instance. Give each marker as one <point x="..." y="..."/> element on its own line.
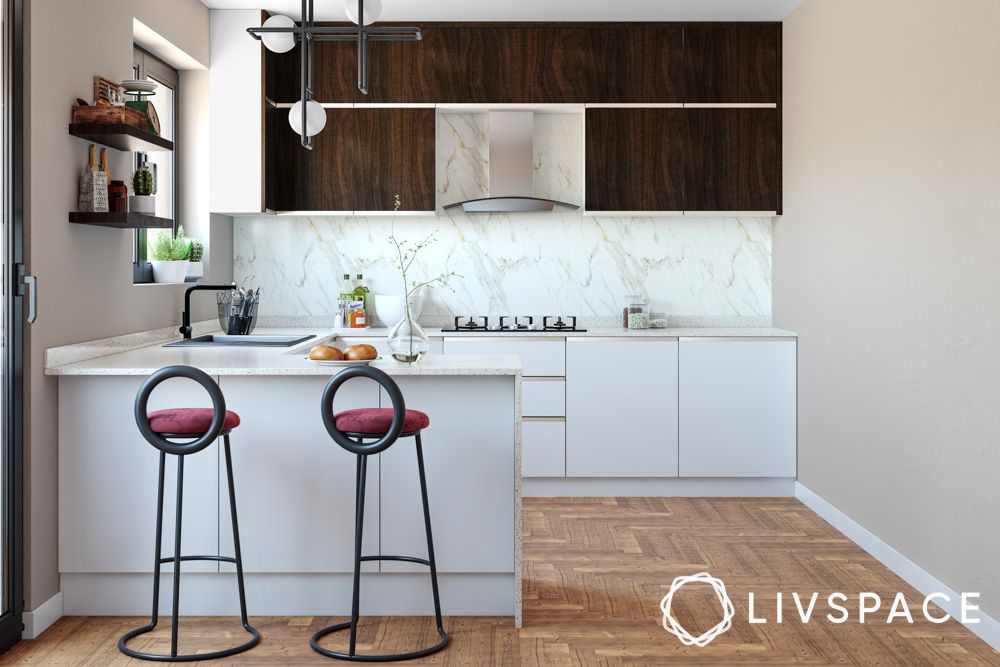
<point x="85" y="273"/>
<point x="886" y="263"/>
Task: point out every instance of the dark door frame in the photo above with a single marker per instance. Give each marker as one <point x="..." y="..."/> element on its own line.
<point x="13" y="264"/>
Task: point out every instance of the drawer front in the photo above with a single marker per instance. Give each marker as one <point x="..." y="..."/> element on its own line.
<point x="539" y="356"/>
<point x="543" y="397"/>
<point x="543" y="448"/>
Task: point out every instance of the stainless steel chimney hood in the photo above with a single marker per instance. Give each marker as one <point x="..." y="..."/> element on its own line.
<point x="511" y="165"/>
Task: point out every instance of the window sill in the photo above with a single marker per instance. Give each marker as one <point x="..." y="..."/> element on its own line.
<point x="158" y="284"/>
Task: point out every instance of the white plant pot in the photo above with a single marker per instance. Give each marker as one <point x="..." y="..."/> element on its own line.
<point x="390" y="308"/>
<point x="195" y="269"/>
<point x="142" y="204"/>
<point x="170" y="272"/>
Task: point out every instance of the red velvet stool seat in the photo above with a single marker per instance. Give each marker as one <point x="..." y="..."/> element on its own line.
<point x="377" y="421"/>
<point x="189" y="421"/>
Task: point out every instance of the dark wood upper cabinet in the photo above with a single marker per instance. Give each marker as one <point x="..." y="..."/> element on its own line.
<point x="732" y="160"/>
<point x="321" y="179"/>
<point x="672" y="159"/>
<point x="634" y="159"/>
<point x="499" y="63"/>
<point x="394" y="150"/>
<point x="727" y="62"/>
<point x="361" y="159"/>
<point x="637" y="159"/>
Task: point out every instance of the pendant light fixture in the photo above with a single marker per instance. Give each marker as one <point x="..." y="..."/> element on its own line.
<point x="280" y="33"/>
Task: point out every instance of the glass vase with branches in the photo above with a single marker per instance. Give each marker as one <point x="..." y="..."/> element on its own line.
<point x="407" y="340"/>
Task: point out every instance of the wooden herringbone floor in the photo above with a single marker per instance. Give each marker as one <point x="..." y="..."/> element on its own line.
<point x="595" y="570"/>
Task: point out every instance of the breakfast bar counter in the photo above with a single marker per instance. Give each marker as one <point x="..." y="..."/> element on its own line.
<point x="294" y="485"/>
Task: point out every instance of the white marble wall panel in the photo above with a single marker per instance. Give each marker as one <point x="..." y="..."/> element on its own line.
<point x="517" y="263"/>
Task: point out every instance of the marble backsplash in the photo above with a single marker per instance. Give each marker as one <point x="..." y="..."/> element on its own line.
<point x="697" y="270"/>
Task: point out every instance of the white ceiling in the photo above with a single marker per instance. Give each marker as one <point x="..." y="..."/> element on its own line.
<point x="539" y="10"/>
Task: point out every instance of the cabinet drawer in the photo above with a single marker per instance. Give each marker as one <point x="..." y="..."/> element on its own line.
<point x="543" y="448"/>
<point x="543" y="397"/>
<point x="539" y="356"/>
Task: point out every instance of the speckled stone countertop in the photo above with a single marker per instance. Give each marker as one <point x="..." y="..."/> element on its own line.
<point x="594" y="332"/>
<point x="141" y="353"/>
<point x="271" y="361"/>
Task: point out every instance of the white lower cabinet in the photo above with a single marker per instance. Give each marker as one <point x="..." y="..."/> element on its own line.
<point x="108" y="477"/>
<point x="621" y="407"/>
<point x="469" y="462"/>
<point x="543" y="447"/>
<point x="737" y="408"/>
<point x="294" y="484"/>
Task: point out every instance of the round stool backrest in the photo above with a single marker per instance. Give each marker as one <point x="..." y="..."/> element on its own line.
<point x="398" y="410"/>
<point x="202" y="441"/>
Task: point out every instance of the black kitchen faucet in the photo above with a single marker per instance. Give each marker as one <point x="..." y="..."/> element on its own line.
<point x="186" y="315"/>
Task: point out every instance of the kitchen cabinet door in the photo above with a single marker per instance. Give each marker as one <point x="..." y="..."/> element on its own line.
<point x="634" y="159"/>
<point x="732" y="160"/>
<point x="621" y="407"/>
<point x="321" y="179"/>
<point x="732" y="63"/>
<point x="108" y="475"/>
<point x="394" y="151"/>
<point x="294" y="484"/>
<point x="737" y="408"/>
<point x="469" y="462"/>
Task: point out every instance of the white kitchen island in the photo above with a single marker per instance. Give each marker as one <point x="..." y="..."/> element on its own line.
<point x="295" y="487"/>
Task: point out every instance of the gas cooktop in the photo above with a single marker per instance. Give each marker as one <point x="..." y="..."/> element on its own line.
<point x="510" y="324"/>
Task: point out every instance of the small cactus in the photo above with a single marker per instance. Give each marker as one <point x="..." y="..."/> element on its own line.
<point x="142" y="181"/>
<point x="197" y="251"/>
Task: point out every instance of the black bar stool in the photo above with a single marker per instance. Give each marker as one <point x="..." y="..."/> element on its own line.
<point x="200" y="427"/>
<point x="350" y="429"/>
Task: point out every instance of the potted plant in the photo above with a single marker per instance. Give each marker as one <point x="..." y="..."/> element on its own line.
<point x="169" y="253"/>
<point x="196" y="267"/>
<point x="142" y="200"/>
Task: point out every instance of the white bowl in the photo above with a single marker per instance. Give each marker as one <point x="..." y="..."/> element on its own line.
<point x="390" y="310"/>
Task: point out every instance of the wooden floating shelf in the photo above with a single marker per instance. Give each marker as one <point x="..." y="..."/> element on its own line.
<point x="121" y="220"/>
<point x="121" y="137"/>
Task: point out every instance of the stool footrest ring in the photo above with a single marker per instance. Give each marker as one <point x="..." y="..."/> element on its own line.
<point x="157" y="657"/>
<point x="185" y="559"/>
<point x="404" y="559"/>
<point x="314" y="642"/>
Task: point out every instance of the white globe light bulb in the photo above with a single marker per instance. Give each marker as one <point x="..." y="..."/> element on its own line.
<point x="279" y="42"/>
<point x="373" y="8"/>
<point x="315" y="118"/>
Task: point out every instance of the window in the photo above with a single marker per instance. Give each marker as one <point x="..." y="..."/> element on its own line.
<point x="162" y="163"/>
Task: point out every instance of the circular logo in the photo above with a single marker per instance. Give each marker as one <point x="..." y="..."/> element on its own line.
<point x="670" y="623"/>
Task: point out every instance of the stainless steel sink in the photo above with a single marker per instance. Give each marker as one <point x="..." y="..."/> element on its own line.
<point x="221" y="340"/>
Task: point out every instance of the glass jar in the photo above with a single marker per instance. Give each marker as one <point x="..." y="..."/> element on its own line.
<point x="407" y="341"/>
<point x="636" y="312"/>
<point x="118" y="197"/>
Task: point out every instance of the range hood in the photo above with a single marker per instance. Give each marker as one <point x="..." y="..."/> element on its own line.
<point x="511" y="165"/>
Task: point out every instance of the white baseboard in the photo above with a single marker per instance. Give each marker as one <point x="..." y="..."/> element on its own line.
<point x="292" y="594"/>
<point x="988" y="628"/>
<point x="38" y="620"/>
<point x="647" y="487"/>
